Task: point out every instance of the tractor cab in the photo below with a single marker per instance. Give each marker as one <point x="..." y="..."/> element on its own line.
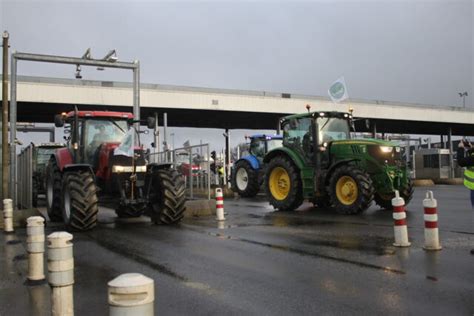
<point x="305" y="132"/>
<point x="261" y="144"/>
<point x="91" y="132"/>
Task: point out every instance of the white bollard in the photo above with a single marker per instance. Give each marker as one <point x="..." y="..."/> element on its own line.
<point x="400" y="227"/>
<point x="219" y="205"/>
<point x="8" y="216"/>
<point x="431" y="222"/>
<point x="221" y="225"/>
<point x="131" y="294"/>
<point x="61" y="273"/>
<point x="35" y="248"/>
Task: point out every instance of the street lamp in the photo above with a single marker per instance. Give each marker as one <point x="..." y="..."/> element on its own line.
<point x="463" y="95"/>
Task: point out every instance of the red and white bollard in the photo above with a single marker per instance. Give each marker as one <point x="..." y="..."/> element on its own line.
<point x="219" y="205"/>
<point x="399" y="215"/>
<point x="431" y="222"/>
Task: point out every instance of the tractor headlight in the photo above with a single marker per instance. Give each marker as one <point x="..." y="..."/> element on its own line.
<point x="386" y="149"/>
<point x="119" y="169"/>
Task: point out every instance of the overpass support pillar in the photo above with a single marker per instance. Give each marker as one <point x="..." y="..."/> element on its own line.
<point x="227" y="153"/>
<point x="374" y="130"/>
<point x="451" y="162"/>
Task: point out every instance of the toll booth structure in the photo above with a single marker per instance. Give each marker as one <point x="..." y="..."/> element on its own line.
<point x="432" y="163"/>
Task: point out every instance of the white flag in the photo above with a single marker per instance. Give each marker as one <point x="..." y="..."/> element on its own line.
<point x="126" y="147"/>
<point x="338" y="91"/>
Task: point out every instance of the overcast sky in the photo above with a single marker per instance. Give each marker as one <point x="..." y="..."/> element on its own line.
<point x="400" y="50"/>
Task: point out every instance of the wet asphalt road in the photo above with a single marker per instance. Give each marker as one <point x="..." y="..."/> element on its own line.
<point x="272" y="263"/>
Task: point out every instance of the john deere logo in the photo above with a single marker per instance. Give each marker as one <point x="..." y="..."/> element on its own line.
<point x="337" y="90"/>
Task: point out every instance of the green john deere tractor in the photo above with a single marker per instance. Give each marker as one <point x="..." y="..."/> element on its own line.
<point x="320" y="162"/>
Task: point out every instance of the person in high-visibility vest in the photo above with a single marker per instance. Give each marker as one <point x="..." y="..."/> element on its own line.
<point x="465" y="156"/>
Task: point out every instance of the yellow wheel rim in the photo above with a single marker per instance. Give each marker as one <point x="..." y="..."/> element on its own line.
<point x="346" y="190"/>
<point x="279" y="183"/>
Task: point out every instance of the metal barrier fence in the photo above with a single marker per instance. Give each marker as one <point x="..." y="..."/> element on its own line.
<point x="193" y="163"/>
<point x="25" y="178"/>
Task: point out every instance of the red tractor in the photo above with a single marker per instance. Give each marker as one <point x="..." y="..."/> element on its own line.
<point x="104" y="162"/>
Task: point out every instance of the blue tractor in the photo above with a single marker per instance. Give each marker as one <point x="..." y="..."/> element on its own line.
<point x="247" y="173"/>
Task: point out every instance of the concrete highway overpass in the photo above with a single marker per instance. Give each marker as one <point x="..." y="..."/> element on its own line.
<point x="40" y="98"/>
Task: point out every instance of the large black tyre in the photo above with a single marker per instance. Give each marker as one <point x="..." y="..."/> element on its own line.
<point x="350" y="190"/>
<point x="79" y="201"/>
<point x="385" y="201"/>
<point x="283" y="185"/>
<point x="54" y="191"/>
<point x="167" y="197"/>
<point x="245" y="179"/>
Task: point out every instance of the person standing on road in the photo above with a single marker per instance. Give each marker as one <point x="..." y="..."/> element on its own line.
<point x="465" y="156"/>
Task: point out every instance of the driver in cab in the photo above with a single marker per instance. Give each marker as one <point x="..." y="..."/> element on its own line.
<point x="99" y="138"/>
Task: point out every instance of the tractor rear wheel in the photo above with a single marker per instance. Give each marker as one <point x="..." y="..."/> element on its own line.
<point x="53" y="191"/>
<point x="79" y="201"/>
<point x="351" y="190"/>
<point x="283" y="185"/>
<point x="385" y="201"/>
<point x="167" y="197"/>
<point x="245" y="179"/>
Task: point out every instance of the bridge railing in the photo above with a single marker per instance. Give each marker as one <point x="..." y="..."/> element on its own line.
<point x="193" y="164"/>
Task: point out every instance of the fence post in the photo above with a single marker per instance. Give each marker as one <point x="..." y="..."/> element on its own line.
<point x="208" y="173"/>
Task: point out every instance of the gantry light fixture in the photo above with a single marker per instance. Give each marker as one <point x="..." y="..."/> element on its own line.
<point x="111" y="57"/>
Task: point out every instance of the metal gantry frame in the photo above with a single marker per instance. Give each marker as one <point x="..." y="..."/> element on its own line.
<point x="17" y="56"/>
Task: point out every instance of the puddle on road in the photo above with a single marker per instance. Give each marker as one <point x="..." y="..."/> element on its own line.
<point x="300" y="251"/>
<point x="132" y="255"/>
<point x="370" y="244"/>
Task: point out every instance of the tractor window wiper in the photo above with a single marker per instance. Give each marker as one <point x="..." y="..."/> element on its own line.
<point x="325" y="124"/>
<point x="115" y="123"/>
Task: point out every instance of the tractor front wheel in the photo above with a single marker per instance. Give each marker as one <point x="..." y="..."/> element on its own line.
<point x="245" y="179"/>
<point x="79" y="201"/>
<point x="167" y="197"/>
<point x="351" y="190"/>
<point x="385" y="200"/>
<point x="53" y="191"/>
<point x="283" y="184"/>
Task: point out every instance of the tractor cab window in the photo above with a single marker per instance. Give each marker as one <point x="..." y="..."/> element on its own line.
<point x="257" y="147"/>
<point x="297" y="135"/>
<point x="332" y="129"/>
<point x="97" y="132"/>
<point x="44" y="154"/>
<point x="274" y="143"/>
